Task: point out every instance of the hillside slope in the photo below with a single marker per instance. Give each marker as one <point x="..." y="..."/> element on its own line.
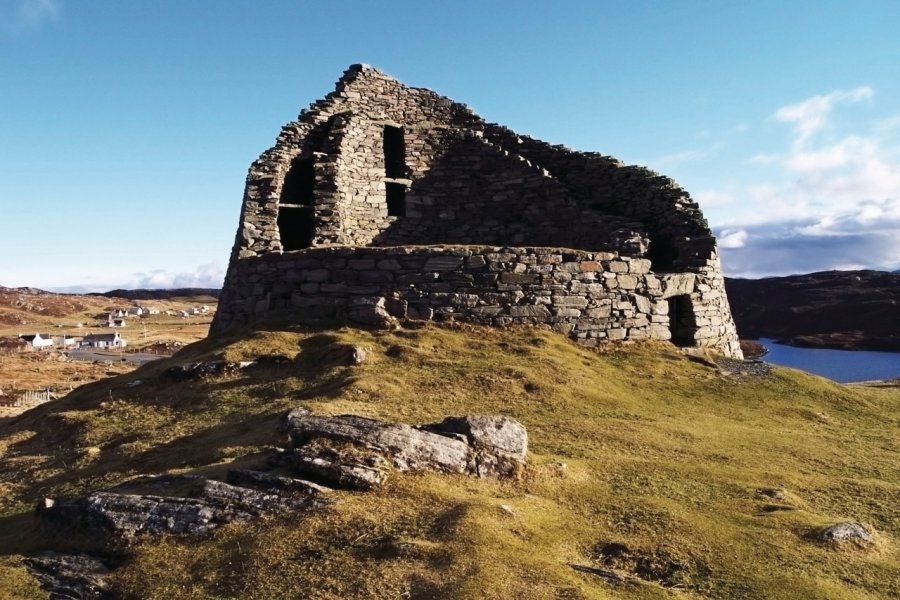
<point x="640" y="461"/>
<point x="853" y="310"/>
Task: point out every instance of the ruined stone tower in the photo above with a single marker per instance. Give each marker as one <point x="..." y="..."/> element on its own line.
<point x="390" y="196"/>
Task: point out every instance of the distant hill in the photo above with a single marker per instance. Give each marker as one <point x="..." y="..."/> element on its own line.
<point x="161" y="294"/>
<point x="834" y="309"/>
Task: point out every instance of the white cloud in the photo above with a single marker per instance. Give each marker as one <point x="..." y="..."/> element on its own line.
<point x="204" y="276"/>
<point x="16" y="15"/>
<point x="736" y="238"/>
<point x="828" y="202"/>
<point x="811" y="115"/>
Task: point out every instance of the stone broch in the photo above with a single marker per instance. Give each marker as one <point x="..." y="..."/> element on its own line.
<point x="403" y="201"/>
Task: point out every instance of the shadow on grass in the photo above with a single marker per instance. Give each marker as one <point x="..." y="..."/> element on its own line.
<point x="214" y="414"/>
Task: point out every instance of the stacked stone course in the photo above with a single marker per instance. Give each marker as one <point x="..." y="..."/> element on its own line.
<point x="495" y="228"/>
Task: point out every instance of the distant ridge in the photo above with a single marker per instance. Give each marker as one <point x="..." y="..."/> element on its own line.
<point x="853" y="310"/>
<point x="158" y="294"/>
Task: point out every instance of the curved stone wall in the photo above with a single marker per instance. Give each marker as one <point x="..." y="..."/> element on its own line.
<point x="590" y="296"/>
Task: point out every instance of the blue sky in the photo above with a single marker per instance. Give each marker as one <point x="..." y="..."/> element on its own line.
<point x="126" y="127"/>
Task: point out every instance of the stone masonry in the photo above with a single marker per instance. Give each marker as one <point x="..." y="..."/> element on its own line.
<point x="394" y="196"/>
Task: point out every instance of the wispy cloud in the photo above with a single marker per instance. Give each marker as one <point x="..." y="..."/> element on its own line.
<point x="811" y="115"/>
<point x="18" y="15"/>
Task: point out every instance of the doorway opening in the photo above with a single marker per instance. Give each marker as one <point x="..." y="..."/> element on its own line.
<point x="682" y="322"/>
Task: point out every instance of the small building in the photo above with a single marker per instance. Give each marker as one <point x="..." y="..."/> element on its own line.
<point x="113" y="321"/>
<point x="118" y="313"/>
<point x="38" y="341"/>
<point x="150" y="310"/>
<point x="103" y="340"/>
<point x="135" y="311"/>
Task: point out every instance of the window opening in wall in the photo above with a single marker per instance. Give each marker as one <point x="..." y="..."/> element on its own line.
<point x="394" y="152"/>
<point x="299" y="183"/>
<point x="396" y="199"/>
<point x="296" y="227"/>
<point x="662" y="253"/>
<point x="682" y="323"/>
<point x="296" y="219"/>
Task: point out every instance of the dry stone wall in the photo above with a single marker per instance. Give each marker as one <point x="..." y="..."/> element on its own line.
<point x="591" y="296"/>
<point x="469" y="189"/>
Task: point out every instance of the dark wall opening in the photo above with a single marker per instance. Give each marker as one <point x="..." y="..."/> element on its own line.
<point x="299" y="183"/>
<point x="396" y="199"/>
<point x="296" y="227"/>
<point x="662" y="253"/>
<point x="394" y="152"/>
<point x="296" y="220"/>
<point x="682" y="322"/>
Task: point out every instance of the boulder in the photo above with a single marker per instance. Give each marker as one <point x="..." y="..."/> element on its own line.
<point x="370" y="311"/>
<point x="499" y="443"/>
<point x="71" y="576"/>
<point x="845" y="532"/>
<point x="408" y="448"/>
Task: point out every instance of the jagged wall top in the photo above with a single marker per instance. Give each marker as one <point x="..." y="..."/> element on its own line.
<point x="379" y="164"/>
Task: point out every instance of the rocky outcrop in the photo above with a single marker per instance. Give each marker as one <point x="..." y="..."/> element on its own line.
<point x="483" y="446"/>
<point x="203" y="506"/>
<point x="347" y="452"/>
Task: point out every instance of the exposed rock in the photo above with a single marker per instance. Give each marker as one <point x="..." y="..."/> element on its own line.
<point x="210" y="505"/>
<point x="496" y="433"/>
<point x="845" y="532"/>
<point x="371" y="312"/>
<point x="206" y="368"/>
<point x="340" y="471"/>
<point x="271" y="481"/>
<point x="479" y="445"/>
<point x="358" y="355"/>
<point x="500" y="443"/>
<point x="408" y="448"/>
<point x="71" y="576"/>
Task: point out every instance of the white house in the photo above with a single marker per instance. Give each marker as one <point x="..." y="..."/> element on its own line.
<point x="135" y="311"/>
<point x="118" y="313"/>
<point x="38" y="341"/>
<point x="103" y="340"/>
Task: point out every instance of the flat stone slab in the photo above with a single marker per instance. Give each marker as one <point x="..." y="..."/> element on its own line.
<point x="210" y="505"/>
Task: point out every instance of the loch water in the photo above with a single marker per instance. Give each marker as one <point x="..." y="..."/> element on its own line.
<point x="843" y="366"/>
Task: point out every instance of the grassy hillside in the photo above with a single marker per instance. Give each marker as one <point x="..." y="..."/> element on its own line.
<point x="640" y="460"/>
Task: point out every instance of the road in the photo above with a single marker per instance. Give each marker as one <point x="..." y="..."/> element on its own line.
<point x="137" y="358"/>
